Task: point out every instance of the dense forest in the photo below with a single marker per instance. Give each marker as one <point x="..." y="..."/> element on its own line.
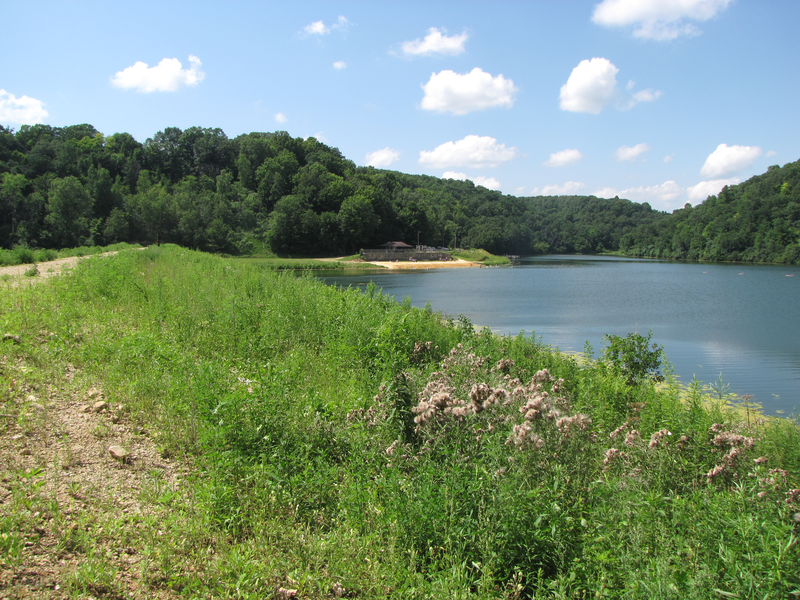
<point x="71" y="186"/>
<point x="754" y="221"/>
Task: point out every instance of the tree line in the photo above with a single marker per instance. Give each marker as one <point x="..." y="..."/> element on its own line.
<point x="755" y="221"/>
<point x="71" y="186"/>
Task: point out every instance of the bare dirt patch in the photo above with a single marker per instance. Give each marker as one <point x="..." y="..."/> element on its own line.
<point x="72" y="515"/>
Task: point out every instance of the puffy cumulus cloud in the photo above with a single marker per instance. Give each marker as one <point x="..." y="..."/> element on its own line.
<point x="704" y="189"/>
<point x="339" y="65"/>
<point x="319" y="27"/>
<point x="657" y="19"/>
<point x="590" y="86"/>
<point x="21" y="111"/>
<point x="435" y="43"/>
<point x="661" y="196"/>
<point x="382" y="158"/>
<point x="473" y="151"/>
<point x="489" y="183"/>
<point x="459" y="94"/>
<point x="166" y="76"/>
<point x="564" y="157"/>
<point x="631" y="152"/>
<point x="281" y="118"/>
<point x="568" y="189"/>
<point x="726" y="160"/>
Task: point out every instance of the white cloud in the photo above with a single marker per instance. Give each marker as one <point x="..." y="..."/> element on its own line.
<point x="660" y="197"/>
<point x="490" y="183"/>
<point x="704" y="189"/>
<point x="564" y="157"/>
<point x="435" y="43"/>
<point x="166" y="76"/>
<point x="726" y="160"/>
<point x="339" y="65"/>
<point x="316" y="28"/>
<point x="382" y="158"/>
<point x="281" y="118"/>
<point x="568" y="189"/>
<point x="657" y="19"/>
<point x="452" y="92"/>
<point x="473" y="151"/>
<point x="319" y="27"/>
<point x="771" y="153"/>
<point x="648" y="95"/>
<point x="631" y="152"/>
<point x="21" y="111"/>
<point x="590" y="86"/>
<point x="668" y="158"/>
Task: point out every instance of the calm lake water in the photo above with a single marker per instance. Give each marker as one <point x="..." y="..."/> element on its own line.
<point x="739" y="320"/>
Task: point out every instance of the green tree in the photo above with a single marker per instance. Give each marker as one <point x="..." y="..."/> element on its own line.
<point x="69" y="213"/>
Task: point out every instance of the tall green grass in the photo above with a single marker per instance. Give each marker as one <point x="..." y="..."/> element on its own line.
<point x="340" y="438"/>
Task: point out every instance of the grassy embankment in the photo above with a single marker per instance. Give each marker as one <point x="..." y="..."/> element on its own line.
<point x="24" y="256"/>
<point x="481" y="256"/>
<point x="344" y="445"/>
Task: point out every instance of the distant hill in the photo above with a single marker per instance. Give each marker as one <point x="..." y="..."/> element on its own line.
<point x="72" y="186"/>
<point x="755" y="221"/>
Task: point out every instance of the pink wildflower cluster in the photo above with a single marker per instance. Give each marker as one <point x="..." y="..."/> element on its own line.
<point x="658" y="437"/>
<point x="611" y="455"/>
<point x="438" y="400"/>
<point x="503" y="365"/>
<point x="737" y="445"/>
<point x="734" y="440"/>
<point x="631" y="435"/>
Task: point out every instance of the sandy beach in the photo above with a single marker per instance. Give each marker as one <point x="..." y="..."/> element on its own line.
<point x="426" y="264"/>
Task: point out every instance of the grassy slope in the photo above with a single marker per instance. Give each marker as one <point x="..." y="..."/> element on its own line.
<point x="292" y="402"/>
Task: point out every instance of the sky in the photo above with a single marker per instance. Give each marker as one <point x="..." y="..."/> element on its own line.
<point x="658" y="101"/>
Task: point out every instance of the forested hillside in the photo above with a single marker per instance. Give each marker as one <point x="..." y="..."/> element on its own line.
<point x="70" y="186"/>
<point x="754" y="221"/>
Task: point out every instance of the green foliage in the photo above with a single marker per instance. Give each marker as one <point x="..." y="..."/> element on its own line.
<point x="754" y="221"/>
<point x="633" y="357"/>
<point x="200" y="189"/>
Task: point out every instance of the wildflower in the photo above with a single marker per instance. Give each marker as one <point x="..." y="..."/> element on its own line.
<point x="523" y="436"/>
<point x="760" y="460"/>
<point x="610" y="456"/>
<point x="761" y="494"/>
<point x="618" y="430"/>
<point x="567" y="425"/>
<point x="732" y="439"/>
<point x="390" y="449"/>
<point x="479" y="393"/>
<point x="718" y="470"/>
<point x="504" y="365"/>
<point x="656" y="438"/>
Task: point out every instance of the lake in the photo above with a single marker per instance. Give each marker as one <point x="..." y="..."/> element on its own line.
<point x="742" y="321"/>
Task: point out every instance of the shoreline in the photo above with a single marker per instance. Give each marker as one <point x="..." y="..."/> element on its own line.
<point x="426" y="264"/>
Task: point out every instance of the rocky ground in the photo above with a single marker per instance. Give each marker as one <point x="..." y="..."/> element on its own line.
<point x="80" y="484"/>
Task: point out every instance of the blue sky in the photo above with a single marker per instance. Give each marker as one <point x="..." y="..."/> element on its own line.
<point x="661" y="101"/>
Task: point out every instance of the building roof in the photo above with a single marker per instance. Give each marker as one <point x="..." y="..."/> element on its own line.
<point x="395" y="245"/>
